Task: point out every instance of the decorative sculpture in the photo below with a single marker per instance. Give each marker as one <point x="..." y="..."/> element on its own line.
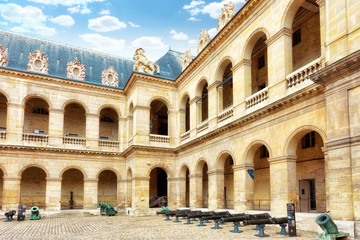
<point x="203" y="40"/>
<point x="3" y="57"/>
<point x="75" y="70"/>
<point x="142" y="64"/>
<point x="226" y="14"/>
<point x="110" y="77"/>
<point x="38" y="62"/>
<point x="186" y="59"/>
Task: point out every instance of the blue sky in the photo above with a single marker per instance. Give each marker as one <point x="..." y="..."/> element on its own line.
<point x="117" y="27"/>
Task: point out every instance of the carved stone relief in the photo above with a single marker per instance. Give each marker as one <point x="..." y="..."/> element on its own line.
<point x="75" y="70"/>
<point x="226" y="14"/>
<point x="3" y="57"/>
<point x="203" y="40"/>
<point x="110" y="77"/>
<point x="38" y="62"/>
<point x="142" y="64"/>
<point x="187" y="59"/>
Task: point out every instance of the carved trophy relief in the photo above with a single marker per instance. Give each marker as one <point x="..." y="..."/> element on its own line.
<point x="110" y="77"/>
<point x="75" y="70"/>
<point x="142" y="64"/>
<point x="3" y="57"/>
<point x="187" y="59"/>
<point x="38" y="62"/>
<point x="227" y="13"/>
<point x="203" y="40"/>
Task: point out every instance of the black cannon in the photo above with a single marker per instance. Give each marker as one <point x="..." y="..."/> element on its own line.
<point x="9" y="215"/>
<point x="185" y="214"/>
<point x="242" y="217"/>
<point x="172" y="213"/>
<point x="200" y="217"/>
<point x="217" y="217"/>
<point x="261" y="225"/>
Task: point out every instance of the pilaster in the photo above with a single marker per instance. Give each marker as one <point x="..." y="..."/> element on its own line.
<point x="216" y="189"/>
<point x="53" y="194"/>
<point x="11" y="193"/>
<point x="92" y="130"/>
<point x="243" y="188"/>
<point x="90" y="193"/>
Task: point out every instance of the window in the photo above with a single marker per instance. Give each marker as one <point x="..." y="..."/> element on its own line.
<point x="73" y="135"/>
<point x="296" y="37"/>
<point x="106" y="119"/>
<point x="308" y="140"/>
<point x="104" y="138"/>
<point x="264" y="153"/>
<point x="41" y="111"/>
<point x="262" y="86"/>
<point x="261" y="62"/>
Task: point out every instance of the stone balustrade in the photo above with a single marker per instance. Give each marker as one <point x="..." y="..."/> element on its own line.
<point x="74" y="141"/>
<point x="159" y="138"/>
<point x="109" y="144"/>
<point x="32" y="137"/>
<point x="202" y="126"/>
<point x="227" y="113"/>
<point x="185" y="136"/>
<point x="257" y="98"/>
<point x="302" y="74"/>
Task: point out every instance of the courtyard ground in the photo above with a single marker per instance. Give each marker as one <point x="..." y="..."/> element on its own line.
<point x="126" y="227"/>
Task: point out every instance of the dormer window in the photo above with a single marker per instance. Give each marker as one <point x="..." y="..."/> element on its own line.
<point x="75" y="70"/>
<point x="110" y="77"/>
<point x="38" y="62"/>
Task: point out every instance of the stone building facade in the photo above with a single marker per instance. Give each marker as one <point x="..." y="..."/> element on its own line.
<point x="267" y="113"/>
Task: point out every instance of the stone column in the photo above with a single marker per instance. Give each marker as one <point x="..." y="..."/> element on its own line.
<point x="213" y="104"/>
<point x="11" y="193"/>
<point x="121" y="192"/>
<point x="122" y="133"/>
<point x="92" y="130"/>
<point x="322" y="30"/>
<point x="14" y="123"/>
<point x="243" y="188"/>
<point x="182" y="121"/>
<point x="141" y="122"/>
<point x="173" y="183"/>
<point x="279" y="48"/>
<point x="128" y="197"/>
<point x="216" y="189"/>
<point x="172" y="126"/>
<point x="196" y="198"/>
<point x="241" y="86"/>
<point x="140" y="195"/>
<point x="56" y="127"/>
<point x="90" y="193"/>
<point x="53" y="194"/>
<point x="181" y="196"/>
<point x="194" y="115"/>
<point x="283" y="183"/>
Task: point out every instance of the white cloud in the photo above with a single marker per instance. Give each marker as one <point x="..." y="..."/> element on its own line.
<point x="67" y="3"/>
<point x="178" y="36"/>
<point x="29" y="19"/>
<point x="213" y="9"/>
<point x="105" y="12"/>
<point x="63" y="20"/>
<point x="3" y="23"/>
<point x="212" y="32"/>
<point x="153" y="46"/>
<point x="193" y="41"/>
<point x="193" y="4"/>
<point x="85" y="10"/>
<point x="75" y="9"/>
<point x="104" y="44"/>
<point x="133" y="24"/>
<point x="105" y="24"/>
<point x="79" y="9"/>
<point x="193" y="19"/>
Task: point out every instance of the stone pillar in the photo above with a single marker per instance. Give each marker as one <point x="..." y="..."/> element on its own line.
<point x="121" y="192"/>
<point x="172" y="185"/>
<point x="196" y="198"/>
<point x="181" y="196"/>
<point x="172" y="126"/>
<point x="141" y="122"/>
<point x="220" y="99"/>
<point x="243" y="188"/>
<point x="194" y="115"/>
<point x="241" y="86"/>
<point x="182" y="121"/>
<point x="213" y="104"/>
<point x="283" y="183"/>
<point x="216" y="189"/>
<point x="128" y="197"/>
<point x="140" y="195"/>
<point x="53" y="194"/>
<point x="56" y="127"/>
<point x="11" y="193"/>
<point x="14" y="123"/>
<point x="122" y="133"/>
<point x="90" y="193"/>
<point x="92" y="130"/>
<point x="279" y="48"/>
<point x="322" y="30"/>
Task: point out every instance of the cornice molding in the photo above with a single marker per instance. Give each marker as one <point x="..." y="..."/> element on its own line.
<point x="216" y="172"/>
<point x="193" y="100"/>
<point x="243" y="166"/>
<point x="338" y="143"/>
<point x="282" y="159"/>
<point x="143" y="179"/>
<point x="141" y="107"/>
<point x="136" y="76"/>
<point x="283" y="32"/>
<point x="213" y="85"/>
<point x="243" y="62"/>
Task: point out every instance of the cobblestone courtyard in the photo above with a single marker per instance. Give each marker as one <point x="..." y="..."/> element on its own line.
<point x="125" y="227"/>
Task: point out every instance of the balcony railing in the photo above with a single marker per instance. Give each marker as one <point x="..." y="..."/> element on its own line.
<point x="2" y="134"/>
<point x="185" y="136"/>
<point x="109" y="143"/>
<point x="32" y="137"/>
<point x="302" y="74"/>
<point x="159" y="138"/>
<point x="74" y="141"/>
<point x="202" y="126"/>
<point x="257" y="98"/>
<point x="227" y="113"/>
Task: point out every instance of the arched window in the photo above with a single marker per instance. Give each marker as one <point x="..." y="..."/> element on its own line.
<point x="158" y="118"/>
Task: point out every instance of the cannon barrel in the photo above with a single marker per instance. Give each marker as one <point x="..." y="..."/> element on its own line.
<point x="281" y="220"/>
<point x="161" y="212"/>
<point x="34" y="209"/>
<point x="242" y="217"/>
<point x="185" y="214"/>
<point x="217" y="215"/>
<point x="327" y="224"/>
<point x="103" y="205"/>
<point x="265" y="221"/>
<point x="173" y="213"/>
<point x="200" y="215"/>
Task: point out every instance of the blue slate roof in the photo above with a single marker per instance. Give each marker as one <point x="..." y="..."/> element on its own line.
<point x="19" y="46"/>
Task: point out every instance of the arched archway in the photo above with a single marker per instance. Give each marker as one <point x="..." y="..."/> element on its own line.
<point x="109" y="125"/>
<point x="36" y="116"/>
<point x="202" y="185"/>
<point x="202" y="104"/>
<point x="129" y="188"/>
<point x="107" y="188"/>
<point x="158" y="187"/>
<point x="3" y="114"/>
<point x="185" y="114"/>
<point x="184" y="186"/>
<point x="225" y="88"/>
<point x="72" y="184"/>
<point x="74" y="121"/>
<point x="130" y="121"/>
<point x="33" y="187"/>
<point x="310" y="170"/>
<point x="158" y="118"/>
<point x="226" y="181"/>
